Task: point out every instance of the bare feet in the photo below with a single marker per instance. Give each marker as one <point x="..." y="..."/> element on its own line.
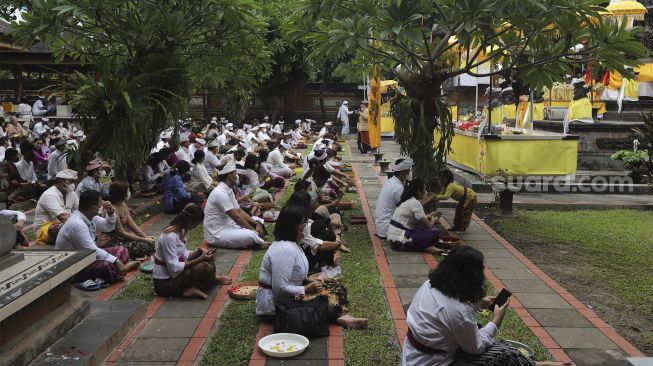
<point x="130" y="266"/>
<point x="351" y="322"/>
<point x="193" y="292"/>
<point x="265" y="245"/>
<point x="223" y="280"/>
<point x="343" y="248"/>
<point x="433" y="250"/>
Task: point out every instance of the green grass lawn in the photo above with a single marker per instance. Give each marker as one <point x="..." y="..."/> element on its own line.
<point x="603" y="257"/>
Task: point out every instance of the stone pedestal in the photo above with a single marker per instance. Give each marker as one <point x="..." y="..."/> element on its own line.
<point x="35" y="286"/>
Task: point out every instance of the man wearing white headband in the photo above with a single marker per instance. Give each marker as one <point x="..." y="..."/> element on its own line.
<point x="226" y="225"/>
<point x="390" y="196"/>
<point x="325" y="129"/>
<point x="275" y="159"/>
<point x="343" y="116"/>
<point x="184" y="151"/>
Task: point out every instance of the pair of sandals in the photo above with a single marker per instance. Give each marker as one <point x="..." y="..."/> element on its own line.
<point x="92" y="285"/>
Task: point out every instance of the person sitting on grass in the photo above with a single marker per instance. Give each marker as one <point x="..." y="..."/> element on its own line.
<point x="78" y="233"/>
<point x="410" y="228"/>
<point x="126" y="233"/>
<point x="284" y="273"/>
<point x="178" y="271"/>
<point x="442" y="328"/>
<point x="465" y="197"/>
<point x="175" y="196"/>
<point x="200" y="180"/>
<point x="226" y="225"/>
<point x="320" y="243"/>
<point x="265" y="172"/>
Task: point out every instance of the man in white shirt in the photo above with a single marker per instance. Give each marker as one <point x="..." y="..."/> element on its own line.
<point x="263" y="133"/>
<point x="184" y="152"/>
<point x="58" y="159"/>
<point x="39" y="108"/>
<point x="253" y="132"/>
<point x="226" y="225"/>
<point x="41" y="126"/>
<point x="164" y="139"/>
<point x="198" y="144"/>
<point x="79" y="233"/>
<point x="211" y="160"/>
<point x="275" y="159"/>
<point x="390" y="196"/>
<point x="324" y="129"/>
<point x="343" y="116"/>
<point x="57" y="202"/>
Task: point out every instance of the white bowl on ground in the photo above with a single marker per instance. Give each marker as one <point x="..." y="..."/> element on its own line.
<point x="283" y="344"/>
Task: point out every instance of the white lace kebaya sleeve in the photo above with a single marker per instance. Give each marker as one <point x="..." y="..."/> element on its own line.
<point x="282" y="271"/>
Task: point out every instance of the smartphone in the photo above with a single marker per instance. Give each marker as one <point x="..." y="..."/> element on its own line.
<point x="500" y="299"/>
<point x="211" y="252"/>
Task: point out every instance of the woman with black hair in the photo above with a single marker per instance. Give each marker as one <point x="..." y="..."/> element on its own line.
<point x="442" y="328"/>
<point x="319" y="243"/>
<point x="265" y="172"/>
<point x="465" y="197"/>
<point x="200" y="180"/>
<point x="178" y="271"/>
<point x="257" y="194"/>
<point x="285" y="268"/>
<point x="175" y="196"/>
<point x="410" y="228"/>
<point x="126" y="232"/>
<point x="151" y="176"/>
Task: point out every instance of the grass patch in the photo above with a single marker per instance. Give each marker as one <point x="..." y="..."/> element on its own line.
<point x="603" y="257"/>
<point x="375" y="345"/>
<point x="602" y="236"/>
<point x="361" y="277"/>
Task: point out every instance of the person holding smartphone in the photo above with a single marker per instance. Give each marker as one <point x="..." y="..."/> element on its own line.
<point x="178" y="271"/>
<point x="442" y="328"/>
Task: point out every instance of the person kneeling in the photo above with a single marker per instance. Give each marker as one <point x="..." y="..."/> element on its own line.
<point x="410" y="228"/>
<point x="79" y="233"/>
<point x="284" y="273"/>
<point x="177" y="271"/>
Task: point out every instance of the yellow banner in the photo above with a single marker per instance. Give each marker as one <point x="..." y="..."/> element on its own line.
<point x="374" y="120"/>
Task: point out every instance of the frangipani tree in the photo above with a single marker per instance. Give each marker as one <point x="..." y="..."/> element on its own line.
<point x="150" y="56"/>
<point x="419" y="42"/>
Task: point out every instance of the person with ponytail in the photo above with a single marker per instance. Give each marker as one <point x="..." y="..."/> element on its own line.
<point x="178" y="271"/>
<point x="200" y="180"/>
<point x="410" y="228"/>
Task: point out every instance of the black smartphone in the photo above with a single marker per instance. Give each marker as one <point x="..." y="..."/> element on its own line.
<point x="211" y="251"/>
<point x="500" y="299"/>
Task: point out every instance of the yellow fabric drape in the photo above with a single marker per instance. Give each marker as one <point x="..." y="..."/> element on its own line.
<point x="631" y="89"/>
<point x="580" y="109"/>
<point x="496" y="115"/>
<point x="508" y="111"/>
<point x="645" y="72"/>
<point x="615" y="81"/>
<point x="374" y="120"/>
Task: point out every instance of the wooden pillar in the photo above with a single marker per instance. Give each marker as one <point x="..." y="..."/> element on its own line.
<point x="19" y="83"/>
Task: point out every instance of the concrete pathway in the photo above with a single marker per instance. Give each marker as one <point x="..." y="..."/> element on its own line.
<point x="564" y="325"/>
